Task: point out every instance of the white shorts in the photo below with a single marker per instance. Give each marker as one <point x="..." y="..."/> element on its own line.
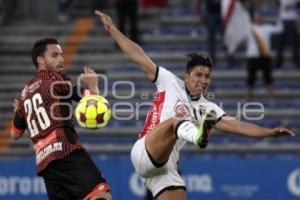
<point x="156" y="179"/>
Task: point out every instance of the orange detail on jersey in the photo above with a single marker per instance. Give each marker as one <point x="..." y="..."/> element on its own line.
<point x="102" y="187"/>
<point x="50" y="139"/>
<point x="16" y="130"/>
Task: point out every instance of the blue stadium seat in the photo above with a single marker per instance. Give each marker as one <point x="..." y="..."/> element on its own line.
<point x="180" y="12"/>
<point x="126" y="68"/>
<point x="294" y="123"/>
<point x="175" y="47"/>
<point x="267" y="122"/>
<point x="288" y="104"/>
<point x="178" y="30"/>
<point x="121" y="139"/>
<point x="225" y="138"/>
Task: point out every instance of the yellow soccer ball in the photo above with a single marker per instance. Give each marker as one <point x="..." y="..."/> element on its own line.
<point x="93" y="112"/>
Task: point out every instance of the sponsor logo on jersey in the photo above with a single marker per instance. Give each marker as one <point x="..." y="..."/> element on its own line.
<point x="43" y="153"/>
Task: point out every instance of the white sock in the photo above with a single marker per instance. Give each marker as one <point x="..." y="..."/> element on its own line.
<point x="187" y="131"/>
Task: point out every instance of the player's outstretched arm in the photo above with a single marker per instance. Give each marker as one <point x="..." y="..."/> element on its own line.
<point x="232" y="125"/>
<point x="132" y="49"/>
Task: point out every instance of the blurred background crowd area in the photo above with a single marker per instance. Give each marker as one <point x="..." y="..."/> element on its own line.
<point x="167" y="31"/>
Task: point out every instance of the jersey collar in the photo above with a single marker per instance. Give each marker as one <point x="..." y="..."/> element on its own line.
<point x="190" y="96"/>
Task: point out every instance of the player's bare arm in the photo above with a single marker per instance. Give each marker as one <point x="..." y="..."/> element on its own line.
<point x="132" y="49"/>
<point x="232" y="125"/>
<point x="90" y="79"/>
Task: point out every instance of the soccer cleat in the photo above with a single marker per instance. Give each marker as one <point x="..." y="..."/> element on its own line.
<point x="205" y="125"/>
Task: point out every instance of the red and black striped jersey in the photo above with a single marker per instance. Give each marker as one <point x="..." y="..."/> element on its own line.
<point x="45" y="110"/>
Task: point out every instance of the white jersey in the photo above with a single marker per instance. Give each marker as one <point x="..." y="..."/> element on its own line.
<point x="265" y="31"/>
<point x="171" y="99"/>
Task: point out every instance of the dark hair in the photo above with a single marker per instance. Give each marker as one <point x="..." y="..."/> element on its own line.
<point x="196" y="59"/>
<point x="40" y="47"/>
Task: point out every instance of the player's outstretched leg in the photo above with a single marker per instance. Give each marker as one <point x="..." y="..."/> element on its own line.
<point x="160" y="141"/>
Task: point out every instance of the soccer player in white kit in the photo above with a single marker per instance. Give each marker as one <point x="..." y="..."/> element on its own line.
<point x="179" y="114"/>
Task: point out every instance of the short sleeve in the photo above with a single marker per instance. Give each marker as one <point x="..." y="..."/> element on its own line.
<point x="207" y="106"/>
<point x="219" y="111"/>
<point x="163" y="78"/>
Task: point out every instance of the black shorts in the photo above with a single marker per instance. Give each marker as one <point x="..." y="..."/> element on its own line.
<point x="263" y="64"/>
<point x="72" y="177"/>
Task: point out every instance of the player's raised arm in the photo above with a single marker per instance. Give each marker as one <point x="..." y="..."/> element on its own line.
<point x="232" y="125"/>
<point x="132" y="49"/>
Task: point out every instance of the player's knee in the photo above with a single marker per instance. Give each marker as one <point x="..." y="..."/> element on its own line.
<point x="176" y="120"/>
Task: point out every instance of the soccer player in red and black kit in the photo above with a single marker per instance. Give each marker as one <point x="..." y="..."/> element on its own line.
<point x="44" y="109"/>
